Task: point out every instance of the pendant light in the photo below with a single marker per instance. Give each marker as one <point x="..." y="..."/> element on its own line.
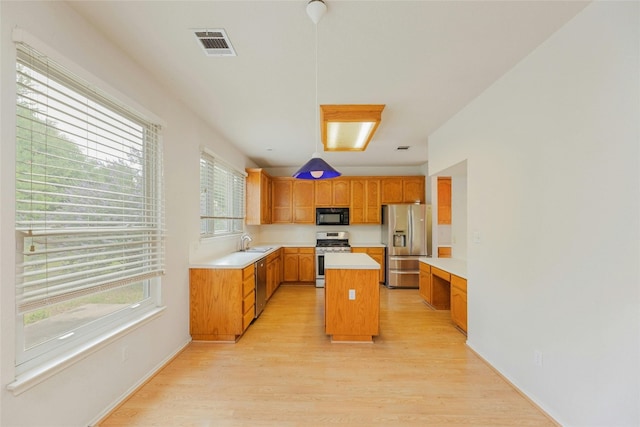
<point x="316" y="168"/>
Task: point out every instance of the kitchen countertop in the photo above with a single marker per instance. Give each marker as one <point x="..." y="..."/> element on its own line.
<point x="349" y="261"/>
<point x="244" y="259"/>
<point x="235" y="259"/>
<point x="452" y="265"/>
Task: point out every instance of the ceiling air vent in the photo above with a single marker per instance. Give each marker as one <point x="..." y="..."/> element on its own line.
<point x="215" y="42"/>
<point x="402" y="147"/>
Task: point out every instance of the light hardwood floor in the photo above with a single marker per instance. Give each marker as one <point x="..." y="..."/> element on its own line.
<point x="285" y="371"/>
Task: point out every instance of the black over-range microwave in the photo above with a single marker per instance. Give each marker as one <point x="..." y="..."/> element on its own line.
<point x="332" y="216"/>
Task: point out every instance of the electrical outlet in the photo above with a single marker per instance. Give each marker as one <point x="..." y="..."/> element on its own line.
<point x="352" y="294"/>
<point x="537" y="358"/>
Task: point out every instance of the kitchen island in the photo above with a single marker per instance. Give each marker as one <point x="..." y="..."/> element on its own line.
<point x="352" y="297"/>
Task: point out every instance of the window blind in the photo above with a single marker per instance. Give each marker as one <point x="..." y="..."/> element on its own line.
<point x="89" y="203"/>
<point x="222" y="198"/>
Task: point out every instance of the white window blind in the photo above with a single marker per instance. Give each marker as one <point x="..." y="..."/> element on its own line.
<point x="89" y="203"/>
<point x="222" y="201"/>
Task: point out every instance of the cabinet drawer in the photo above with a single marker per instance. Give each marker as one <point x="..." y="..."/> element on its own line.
<point x="404" y="279"/>
<point x="247" y="318"/>
<point x="247" y="271"/>
<point x="425" y="268"/>
<point x="440" y="273"/>
<point x="272" y="256"/>
<point x="249" y="303"/>
<point x="459" y="282"/>
<point x="248" y="285"/>
<point x="306" y="250"/>
<point x="404" y="263"/>
<point x="290" y="250"/>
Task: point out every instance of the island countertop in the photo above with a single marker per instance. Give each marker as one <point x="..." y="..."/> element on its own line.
<point x="350" y="261"/>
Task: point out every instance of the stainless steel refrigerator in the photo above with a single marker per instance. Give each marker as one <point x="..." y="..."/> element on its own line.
<point x="406" y="233"/>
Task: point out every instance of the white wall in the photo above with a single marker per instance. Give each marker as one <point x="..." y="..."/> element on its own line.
<point x="553" y="185"/>
<point x="77" y="395"/>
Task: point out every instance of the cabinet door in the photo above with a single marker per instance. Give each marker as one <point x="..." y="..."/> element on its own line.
<point x="303" y="202"/>
<point x="391" y="190"/>
<point x="271" y="275"/>
<point x="459" y="302"/>
<point x="341" y="192"/>
<point x="373" y="201"/>
<point x="278" y="268"/>
<point x="425" y="282"/>
<point x="444" y="200"/>
<point x="290" y="260"/>
<point x="282" y="200"/>
<point x="216" y="300"/>
<point x="413" y="189"/>
<point x="324" y="194"/>
<point x="258" y="197"/>
<point x="265" y="198"/>
<point x="357" y="205"/>
<point x="378" y="255"/>
<point x="306" y="265"/>
<point x="444" y="252"/>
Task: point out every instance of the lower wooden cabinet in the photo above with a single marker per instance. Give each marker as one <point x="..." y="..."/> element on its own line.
<point x="274" y="272"/>
<point x="425" y="282"/>
<point x="377" y="254"/>
<point x="435" y="287"/>
<point x="445" y="291"/>
<point x="222" y="303"/>
<point x="299" y="264"/>
<point x="459" y="301"/>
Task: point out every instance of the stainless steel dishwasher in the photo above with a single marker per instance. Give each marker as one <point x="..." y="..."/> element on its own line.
<point x="261" y="285"/>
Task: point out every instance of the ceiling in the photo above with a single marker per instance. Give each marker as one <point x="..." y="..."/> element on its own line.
<point x="425" y="60"/>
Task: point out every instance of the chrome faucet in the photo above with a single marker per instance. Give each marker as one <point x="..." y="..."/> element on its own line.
<point x="244" y="242"/>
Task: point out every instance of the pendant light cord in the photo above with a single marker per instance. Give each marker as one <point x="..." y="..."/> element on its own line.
<point x="317" y="107"/>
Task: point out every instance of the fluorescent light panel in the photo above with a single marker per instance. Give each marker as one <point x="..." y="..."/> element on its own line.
<point x="349" y="127"/>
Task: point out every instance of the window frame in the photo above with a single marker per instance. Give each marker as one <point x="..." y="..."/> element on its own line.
<point x="89" y="335"/>
<point x="229" y="221"/>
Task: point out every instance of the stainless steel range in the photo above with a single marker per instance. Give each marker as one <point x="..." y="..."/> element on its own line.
<point x="329" y="242"/>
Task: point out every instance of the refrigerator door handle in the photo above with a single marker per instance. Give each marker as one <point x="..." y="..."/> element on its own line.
<point x="411" y="225"/>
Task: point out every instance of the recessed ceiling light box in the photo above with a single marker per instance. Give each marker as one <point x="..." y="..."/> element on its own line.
<point x="349" y="127"/>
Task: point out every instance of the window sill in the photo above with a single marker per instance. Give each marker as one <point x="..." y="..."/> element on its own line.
<point x="31" y="378"/>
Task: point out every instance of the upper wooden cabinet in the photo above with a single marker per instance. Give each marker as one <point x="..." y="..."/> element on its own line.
<point x="286" y="200"/>
<point x="303" y="202"/>
<point x="365" y="201"/>
<point x="402" y="189"/>
<point x="444" y="200"/>
<point x="293" y="201"/>
<point x="334" y="192"/>
<point x="413" y="189"/>
<point x="282" y="199"/>
<point x="258" y="197"/>
<point x="391" y="191"/>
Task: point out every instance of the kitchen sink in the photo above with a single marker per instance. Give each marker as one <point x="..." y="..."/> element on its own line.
<point x="259" y="249"/>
